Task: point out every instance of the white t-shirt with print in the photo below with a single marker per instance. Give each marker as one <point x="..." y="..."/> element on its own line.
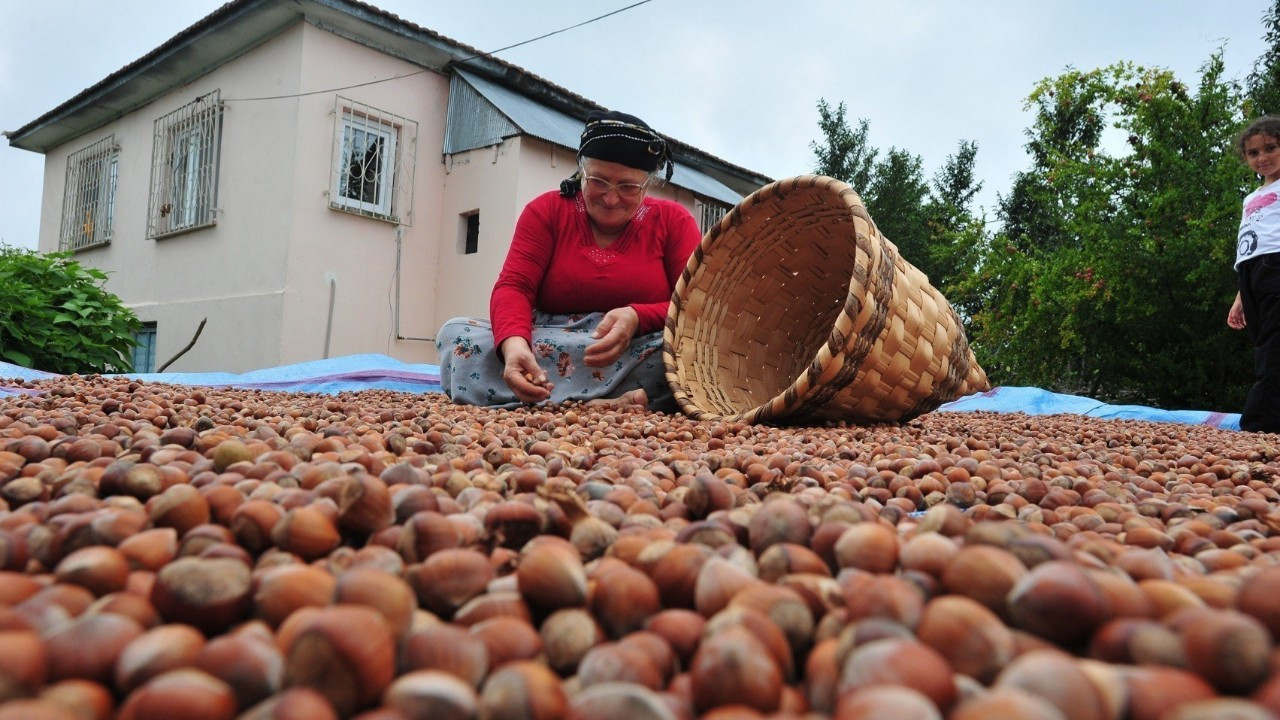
<point x="1259" y="224"/>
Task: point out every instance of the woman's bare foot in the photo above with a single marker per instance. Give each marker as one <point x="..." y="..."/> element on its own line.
<point x="632" y="399"/>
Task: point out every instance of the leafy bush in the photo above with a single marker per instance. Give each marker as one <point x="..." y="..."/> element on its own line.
<point x="56" y="316"/>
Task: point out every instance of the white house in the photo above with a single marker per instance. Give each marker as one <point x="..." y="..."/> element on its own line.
<point x="312" y="178"/>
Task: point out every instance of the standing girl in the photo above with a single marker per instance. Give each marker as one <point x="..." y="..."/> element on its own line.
<point x="1257" y="304"/>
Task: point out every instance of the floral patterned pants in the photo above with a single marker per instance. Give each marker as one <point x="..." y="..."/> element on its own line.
<point x="471" y="372"/>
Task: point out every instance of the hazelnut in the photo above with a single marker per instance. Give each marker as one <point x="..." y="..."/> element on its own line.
<point x="247" y="660"/>
<point x="279" y="591"/>
<point x="732" y="667"/>
<point x="381" y="590"/>
<point x="345" y="652"/>
<point x="898" y="661"/>
<point x="432" y="695"/>
<point x="622" y="598"/>
<point x="184" y="693"/>
<point x="447" y="579"/>
<point x="210" y="594"/>
<point x="1058" y="601"/>
<point x="523" y="689"/>
<point x="881" y="701"/>
<point x="550" y="575"/>
<point x="448" y="648"/>
<point x="24" y="664"/>
<point x="567" y="635"/>
<point x="300" y="703"/>
<point x="164" y="648"/>
<point x="89" y="647"/>
<point x="971" y="638"/>
<point x="306" y="532"/>
<point x="508" y="639"/>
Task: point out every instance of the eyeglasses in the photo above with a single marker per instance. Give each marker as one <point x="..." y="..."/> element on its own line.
<point x="600" y="186"/>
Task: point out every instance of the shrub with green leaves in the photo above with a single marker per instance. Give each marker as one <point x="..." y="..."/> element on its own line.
<point x="55" y="315"/>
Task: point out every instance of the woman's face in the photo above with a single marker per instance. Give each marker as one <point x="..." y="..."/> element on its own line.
<point x="1262" y="152"/>
<point x="613" y="192"/>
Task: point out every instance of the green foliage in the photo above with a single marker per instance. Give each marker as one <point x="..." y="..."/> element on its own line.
<point x="1263" y="83"/>
<point x="55" y="315"/>
<point x="1112" y="274"/>
<point x="845" y="155"/>
<point x="923" y="221"/>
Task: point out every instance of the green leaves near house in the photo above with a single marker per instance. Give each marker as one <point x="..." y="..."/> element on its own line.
<point x="55" y="315"/>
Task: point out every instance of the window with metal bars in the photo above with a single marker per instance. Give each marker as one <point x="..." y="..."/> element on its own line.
<point x="373" y="162"/>
<point x="89" y="196"/>
<point x="710" y="215"/>
<point x="184" y="167"/>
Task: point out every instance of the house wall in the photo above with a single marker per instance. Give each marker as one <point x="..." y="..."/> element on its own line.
<point x="231" y="273"/>
<point x="266" y="275"/>
<point x="351" y="258"/>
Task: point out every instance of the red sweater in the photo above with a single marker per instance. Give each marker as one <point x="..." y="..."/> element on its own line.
<point x="555" y="266"/>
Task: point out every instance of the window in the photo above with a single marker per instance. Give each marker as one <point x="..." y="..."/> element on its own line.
<point x="89" y="196"/>
<point x="372" y="162"/>
<point x="711" y="213"/>
<point x="469" y="237"/>
<point x="184" y="167"/>
<point x="144" y="353"/>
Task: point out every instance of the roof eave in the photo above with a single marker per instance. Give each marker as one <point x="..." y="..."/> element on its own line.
<point x="221" y="36"/>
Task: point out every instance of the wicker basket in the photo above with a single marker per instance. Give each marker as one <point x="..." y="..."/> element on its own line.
<point x="796" y="309"/>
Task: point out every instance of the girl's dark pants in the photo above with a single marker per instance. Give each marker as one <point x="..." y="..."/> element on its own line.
<point x="1259" y="282"/>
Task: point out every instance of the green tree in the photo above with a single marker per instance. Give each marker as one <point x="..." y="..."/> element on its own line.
<point x="55" y="315"/>
<point x="1115" y="262"/>
<point x="844" y="154"/>
<point x="1263" y="84"/>
<point x="955" y="234"/>
<point x="896" y="201"/>
<point x="932" y="225"/>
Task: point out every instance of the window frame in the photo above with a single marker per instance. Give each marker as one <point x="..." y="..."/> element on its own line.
<point x="381" y="184"/>
<point x="185" y="162"/>
<point x="710" y="213"/>
<point x="88" y="216"/>
<point x="392" y="188"/>
<point x="468" y="241"/>
<point x="150" y="331"/>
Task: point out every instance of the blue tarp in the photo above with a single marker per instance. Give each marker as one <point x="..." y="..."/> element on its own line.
<point x="367" y="372"/>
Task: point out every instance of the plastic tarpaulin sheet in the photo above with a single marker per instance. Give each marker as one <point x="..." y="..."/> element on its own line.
<point x="368" y="372"/>
<point x="1035" y="401"/>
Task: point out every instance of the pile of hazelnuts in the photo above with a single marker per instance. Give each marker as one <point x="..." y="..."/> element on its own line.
<point x="221" y="553"/>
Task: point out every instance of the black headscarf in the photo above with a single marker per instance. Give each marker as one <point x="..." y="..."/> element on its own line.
<point x="624" y="139"/>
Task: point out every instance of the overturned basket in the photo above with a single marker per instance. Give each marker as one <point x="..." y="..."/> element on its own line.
<point x="795" y="308"/>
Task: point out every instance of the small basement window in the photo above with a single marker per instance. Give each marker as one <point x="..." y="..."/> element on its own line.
<point x="469" y="233"/>
<point x="144" y="353"/>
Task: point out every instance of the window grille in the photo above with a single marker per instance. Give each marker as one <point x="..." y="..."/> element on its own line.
<point x="89" y="196"/>
<point x="373" y="162"/>
<point x="184" y="167"/>
<point x="144" y="353"/>
<point x="710" y="215"/>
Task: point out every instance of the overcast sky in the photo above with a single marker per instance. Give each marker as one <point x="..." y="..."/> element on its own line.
<point x="737" y="78"/>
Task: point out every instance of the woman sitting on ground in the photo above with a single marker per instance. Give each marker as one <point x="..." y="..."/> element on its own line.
<point x="578" y="309"/>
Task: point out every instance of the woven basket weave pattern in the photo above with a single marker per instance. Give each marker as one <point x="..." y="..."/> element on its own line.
<point x="795" y="308"/>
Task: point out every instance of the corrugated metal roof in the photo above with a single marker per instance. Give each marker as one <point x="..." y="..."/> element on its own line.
<point x="482" y="113"/>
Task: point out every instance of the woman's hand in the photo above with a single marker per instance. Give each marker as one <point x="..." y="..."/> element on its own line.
<point x="1235" y="316"/>
<point x="521" y="372"/>
<point x="612" y="336"/>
